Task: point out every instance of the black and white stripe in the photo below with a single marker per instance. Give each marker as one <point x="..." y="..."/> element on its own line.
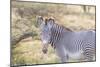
<point x="70" y="43"/>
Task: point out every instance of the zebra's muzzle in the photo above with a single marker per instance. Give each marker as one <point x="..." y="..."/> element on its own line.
<point x="45" y="48"/>
<point x="44" y="51"/>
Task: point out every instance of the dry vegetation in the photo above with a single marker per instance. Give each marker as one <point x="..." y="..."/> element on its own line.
<point x="28" y="49"/>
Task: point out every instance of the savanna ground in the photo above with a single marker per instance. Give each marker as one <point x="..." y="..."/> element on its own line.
<point x="23" y="20"/>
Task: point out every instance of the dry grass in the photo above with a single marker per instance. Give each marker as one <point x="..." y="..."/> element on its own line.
<point x="78" y="22"/>
<point x="29" y="51"/>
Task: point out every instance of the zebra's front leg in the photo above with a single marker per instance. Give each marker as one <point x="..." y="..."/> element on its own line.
<point x="61" y="53"/>
<point x="64" y="58"/>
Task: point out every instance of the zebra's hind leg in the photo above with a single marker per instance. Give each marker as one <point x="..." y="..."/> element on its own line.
<point x="89" y="55"/>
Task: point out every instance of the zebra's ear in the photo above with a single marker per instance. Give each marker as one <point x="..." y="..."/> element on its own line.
<point x="50" y="22"/>
<point x="39" y="20"/>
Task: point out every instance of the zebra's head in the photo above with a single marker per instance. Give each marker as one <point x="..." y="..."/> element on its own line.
<point x="45" y="28"/>
<point x="46" y="34"/>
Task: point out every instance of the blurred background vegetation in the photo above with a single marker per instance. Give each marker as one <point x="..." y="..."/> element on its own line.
<point x="26" y="46"/>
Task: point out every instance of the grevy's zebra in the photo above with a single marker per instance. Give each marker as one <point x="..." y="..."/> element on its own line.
<point x="80" y="45"/>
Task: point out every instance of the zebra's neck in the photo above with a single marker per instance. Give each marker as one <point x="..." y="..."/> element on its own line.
<point x="57" y="32"/>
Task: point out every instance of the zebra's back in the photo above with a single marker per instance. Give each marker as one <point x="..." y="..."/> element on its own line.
<point x="78" y="39"/>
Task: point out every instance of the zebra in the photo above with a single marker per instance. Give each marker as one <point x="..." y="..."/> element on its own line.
<point x="67" y="43"/>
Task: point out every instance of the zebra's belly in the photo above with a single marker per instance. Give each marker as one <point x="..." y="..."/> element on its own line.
<point x="75" y="55"/>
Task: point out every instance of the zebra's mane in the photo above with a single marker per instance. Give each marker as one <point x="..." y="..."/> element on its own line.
<point x="66" y="28"/>
<point x="57" y="24"/>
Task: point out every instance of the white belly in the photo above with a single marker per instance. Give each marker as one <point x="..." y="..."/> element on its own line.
<point x="75" y="55"/>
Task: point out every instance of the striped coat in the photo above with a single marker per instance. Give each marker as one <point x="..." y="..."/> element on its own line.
<point x="69" y="44"/>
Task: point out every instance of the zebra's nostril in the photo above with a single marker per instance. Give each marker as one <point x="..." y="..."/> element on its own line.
<point x="44" y="51"/>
